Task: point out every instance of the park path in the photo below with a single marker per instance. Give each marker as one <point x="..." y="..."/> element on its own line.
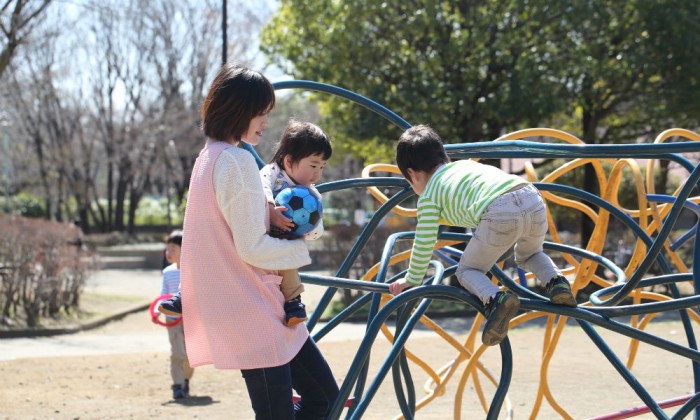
<point x="77" y="375"/>
<point x="134" y="333"/>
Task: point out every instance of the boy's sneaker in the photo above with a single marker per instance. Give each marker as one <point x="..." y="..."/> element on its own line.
<point x="295" y="311"/>
<point x="499" y="311"/>
<point x="559" y="292"/>
<point x="178" y="392"/>
<point x="172" y="306"/>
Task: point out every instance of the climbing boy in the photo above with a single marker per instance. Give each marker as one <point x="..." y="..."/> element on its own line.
<point x="504" y="210"/>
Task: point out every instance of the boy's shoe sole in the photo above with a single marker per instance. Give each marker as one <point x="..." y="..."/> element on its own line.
<point x="294" y="321"/>
<point x="565" y="298"/>
<point x="496" y="327"/>
<point x="295" y="312"/>
<point x="165" y="311"/>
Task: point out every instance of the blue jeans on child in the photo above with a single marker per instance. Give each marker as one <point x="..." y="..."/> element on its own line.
<point x="518" y="218"/>
<point x="270" y="389"/>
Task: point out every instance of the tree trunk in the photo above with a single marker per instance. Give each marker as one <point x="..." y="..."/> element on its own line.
<point x="661" y="181"/>
<point x="119" y="204"/>
<point x="590" y="182"/>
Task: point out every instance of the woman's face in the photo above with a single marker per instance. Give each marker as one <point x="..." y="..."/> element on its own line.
<point x="256" y="128"/>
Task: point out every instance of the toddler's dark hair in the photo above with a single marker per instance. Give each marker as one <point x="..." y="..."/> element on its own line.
<point x="299" y="140"/>
<point x="420" y="148"/>
<point x="175" y="237"/>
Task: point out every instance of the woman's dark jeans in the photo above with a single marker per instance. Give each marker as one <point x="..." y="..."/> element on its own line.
<point x="270" y="389"/>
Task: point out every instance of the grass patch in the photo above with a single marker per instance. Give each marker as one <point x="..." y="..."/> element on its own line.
<point x="93" y="306"/>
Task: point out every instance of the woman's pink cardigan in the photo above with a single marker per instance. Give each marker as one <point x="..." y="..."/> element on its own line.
<point x="232" y="305"/>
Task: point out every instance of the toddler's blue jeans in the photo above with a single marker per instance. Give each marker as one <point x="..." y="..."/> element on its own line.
<point x="270" y="389"/>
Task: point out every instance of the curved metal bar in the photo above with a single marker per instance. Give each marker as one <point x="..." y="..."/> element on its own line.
<point x="613" y="311"/>
<point x="658" y="243"/>
<point x="453" y="293"/>
<point x="522" y="148"/>
<point x="354" y="252"/>
<point x="430" y="291"/>
<point x="403" y="331"/>
<point x="612" y="325"/>
<point x="614" y="211"/>
<point x="622" y="370"/>
<point x="362" y="183"/>
<point x="401" y="372"/>
<point x="596" y="315"/>
<point x="687" y="408"/>
<point x="662" y="198"/>
<point x="642" y="235"/>
<point x="344" y="93"/>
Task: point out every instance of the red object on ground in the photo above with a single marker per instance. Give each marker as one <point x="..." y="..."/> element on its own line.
<point x="348" y="403"/>
<point x="637" y="411"/>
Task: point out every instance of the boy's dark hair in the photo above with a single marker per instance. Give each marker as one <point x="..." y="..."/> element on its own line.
<point x="299" y="140"/>
<point x="420" y="148"/>
<point x="175" y="237"/>
<point x="236" y="96"/>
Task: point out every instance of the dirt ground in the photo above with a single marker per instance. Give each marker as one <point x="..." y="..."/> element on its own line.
<point x="136" y="385"/>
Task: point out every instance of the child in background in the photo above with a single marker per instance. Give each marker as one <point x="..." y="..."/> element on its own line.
<point x="180" y="369"/>
<point x="301" y="155"/>
<point x="504" y="209"/>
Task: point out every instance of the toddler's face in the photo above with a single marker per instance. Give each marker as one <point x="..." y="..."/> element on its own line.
<point x="307" y="171"/>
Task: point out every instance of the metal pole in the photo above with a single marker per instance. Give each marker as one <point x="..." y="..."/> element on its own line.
<point x="224" y="46"/>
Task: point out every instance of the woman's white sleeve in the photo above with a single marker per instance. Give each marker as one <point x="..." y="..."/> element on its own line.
<point x="240" y="197"/>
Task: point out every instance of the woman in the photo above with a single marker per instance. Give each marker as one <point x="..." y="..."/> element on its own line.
<point x="231" y="299"/>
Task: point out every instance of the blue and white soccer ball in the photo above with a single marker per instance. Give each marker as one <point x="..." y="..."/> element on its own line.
<point x="303" y="207"/>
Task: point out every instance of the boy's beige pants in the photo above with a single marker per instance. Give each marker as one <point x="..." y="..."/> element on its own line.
<point x="291" y="284"/>
<point x="179" y="364"/>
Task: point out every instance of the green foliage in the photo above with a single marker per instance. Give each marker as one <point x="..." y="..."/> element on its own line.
<point x="154" y="211"/>
<point x="615" y="61"/>
<point x="447" y="64"/>
<point x="28" y="205"/>
<point x="608" y="70"/>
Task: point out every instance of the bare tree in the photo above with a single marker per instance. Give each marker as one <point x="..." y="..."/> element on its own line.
<point x="49" y="116"/>
<point x="111" y="108"/>
<point x="186" y="53"/>
<point x="17" y="19"/>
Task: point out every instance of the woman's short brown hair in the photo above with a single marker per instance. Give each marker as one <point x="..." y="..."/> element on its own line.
<point x="236" y="96"/>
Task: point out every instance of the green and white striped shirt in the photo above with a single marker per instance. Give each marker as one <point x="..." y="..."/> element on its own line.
<point x="458" y="192"/>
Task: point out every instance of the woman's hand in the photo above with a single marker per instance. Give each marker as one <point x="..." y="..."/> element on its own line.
<point x="279" y="220"/>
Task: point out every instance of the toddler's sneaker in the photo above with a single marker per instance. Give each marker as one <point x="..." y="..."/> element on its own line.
<point x="499" y="311"/>
<point x="295" y="311"/>
<point x="172" y="306"/>
<point x="559" y="292"/>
